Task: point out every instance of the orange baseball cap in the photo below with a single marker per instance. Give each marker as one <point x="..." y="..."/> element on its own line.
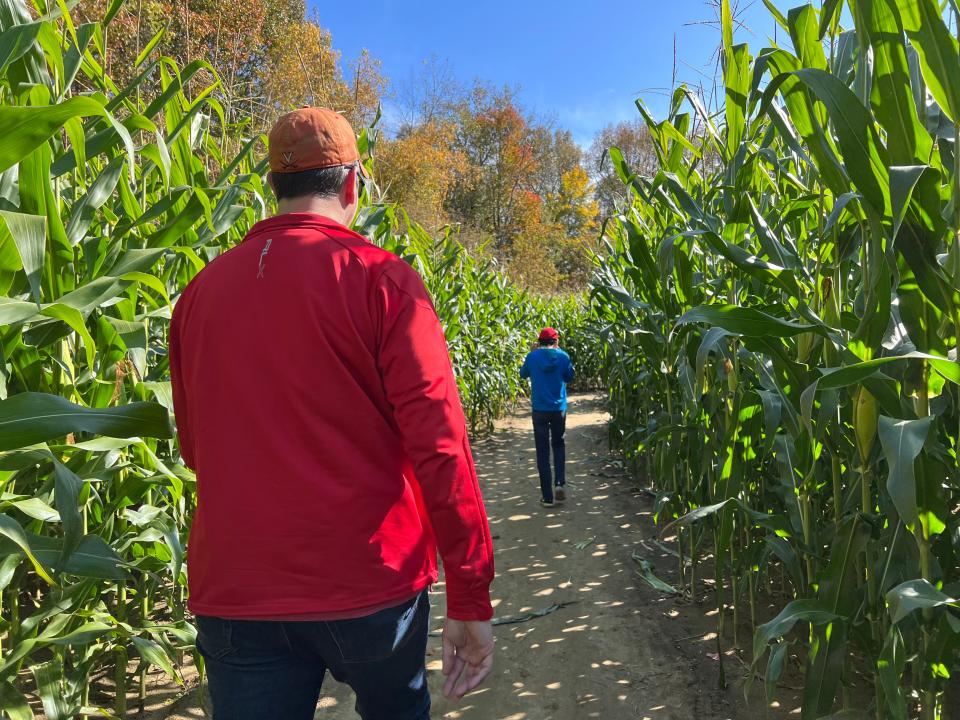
<point x="311" y="138"/>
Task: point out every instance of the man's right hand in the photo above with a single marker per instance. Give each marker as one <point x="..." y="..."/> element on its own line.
<point x="467" y="655"/>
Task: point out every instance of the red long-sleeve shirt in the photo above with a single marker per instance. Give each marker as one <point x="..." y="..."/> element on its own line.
<point x="316" y="402"/>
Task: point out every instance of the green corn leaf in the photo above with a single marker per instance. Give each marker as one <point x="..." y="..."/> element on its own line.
<point x="747" y="321"/>
<point x="29" y="234"/>
<point x="890" y="667"/>
<point x="84" y="634"/>
<point x="11" y="530"/>
<point x="148" y="48"/>
<point x="938" y="52"/>
<point x="92" y="557"/>
<point x="49" y="678"/>
<point x="25" y="128"/>
<point x="805" y="33"/>
<point x="815" y="612"/>
<point x="75" y="320"/>
<point x="16" y="41"/>
<point x="856" y="374"/>
<point x="14" y="703"/>
<point x="775" y="669"/>
<point x="863" y="154"/>
<point x="37" y="509"/>
<point x="99" y="192"/>
<point x="903" y="180"/>
<point x="892" y="97"/>
<point x="152" y="653"/>
<point x="67" y="487"/>
<point x="30" y="418"/>
<point x="829" y="13"/>
<point x="902" y="441"/>
<point x="915" y="595"/>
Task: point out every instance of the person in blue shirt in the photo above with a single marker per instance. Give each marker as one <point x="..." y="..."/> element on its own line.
<point x="549" y="369"/>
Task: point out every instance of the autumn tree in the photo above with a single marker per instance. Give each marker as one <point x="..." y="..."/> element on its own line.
<point x="633" y="140"/>
<point x="430" y="94"/>
<point x="496" y="141"/>
<point x="303" y="68"/>
<point x="417" y="170"/>
<point x="269" y="55"/>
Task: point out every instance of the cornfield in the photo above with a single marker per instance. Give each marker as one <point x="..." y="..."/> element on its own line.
<point x="780" y="313"/>
<point x="111" y="200"/>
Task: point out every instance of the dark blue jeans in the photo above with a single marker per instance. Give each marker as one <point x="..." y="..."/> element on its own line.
<point x="549" y="429"/>
<point x="273" y="670"/>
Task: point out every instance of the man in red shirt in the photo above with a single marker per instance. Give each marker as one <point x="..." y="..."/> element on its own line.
<point x="316" y="402"/>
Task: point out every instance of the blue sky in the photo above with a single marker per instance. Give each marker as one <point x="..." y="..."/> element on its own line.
<point x="580" y="64"/>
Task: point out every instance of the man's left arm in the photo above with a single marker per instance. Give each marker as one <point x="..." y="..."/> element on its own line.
<point x="568" y="371"/>
<point x="417" y="376"/>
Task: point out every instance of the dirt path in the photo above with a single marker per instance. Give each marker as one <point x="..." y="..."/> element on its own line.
<point x="621" y="649"/>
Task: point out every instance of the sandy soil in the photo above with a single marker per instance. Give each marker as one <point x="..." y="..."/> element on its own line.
<point x="620" y="650"/>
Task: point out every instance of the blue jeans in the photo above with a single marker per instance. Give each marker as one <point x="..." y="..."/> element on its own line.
<point x="273" y="670"/>
<point x="549" y="429"/>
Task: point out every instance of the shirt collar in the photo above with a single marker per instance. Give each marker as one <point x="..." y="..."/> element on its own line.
<point x="298" y="220"/>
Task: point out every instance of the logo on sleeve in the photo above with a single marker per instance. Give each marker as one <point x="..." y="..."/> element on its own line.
<point x="263" y="258"/>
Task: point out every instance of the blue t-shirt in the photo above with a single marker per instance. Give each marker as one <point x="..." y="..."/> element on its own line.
<point x="549" y="369"/>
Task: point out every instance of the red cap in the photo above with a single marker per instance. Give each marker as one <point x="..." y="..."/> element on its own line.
<point x="311" y="138"/>
<point x="549" y="334"/>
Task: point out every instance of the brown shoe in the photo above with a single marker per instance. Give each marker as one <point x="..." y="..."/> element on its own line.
<point x="559" y="493"/>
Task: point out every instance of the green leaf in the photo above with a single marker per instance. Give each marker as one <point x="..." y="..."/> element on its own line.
<point x="100" y="191"/>
<point x="815" y="612"/>
<point x="902" y="441"/>
<point x="7" y="568"/>
<point x="152" y="653"/>
<point x="14" y="703"/>
<point x="914" y="595"/>
<point x="863" y="154"/>
<point x="75" y="320"/>
<point x="856" y="374"/>
<point x="737" y="80"/>
<point x="16" y="41"/>
<point x="30" y="418"/>
<point x="37" y="509"/>
<point x="892" y="97"/>
<point x="726" y="24"/>
<point x="23" y="129"/>
<point x="805" y="118"/>
<point x="67" y="487"/>
<point x="29" y="234"/>
<point x="50" y="680"/>
<point x="828" y="14"/>
<point x="10" y="529"/>
<point x="645" y="571"/>
<point x="775" y="669"/>
<point x="148" y="48"/>
<point x="83" y="635"/>
<point x="890" y="667"/>
<point x="112" y="11"/>
<point x="747" y="321"/>
<point x="13" y="312"/>
<point x="903" y="180"/>
<point x="92" y="558"/>
<point x="805" y="33"/>
<point x="937" y="48"/>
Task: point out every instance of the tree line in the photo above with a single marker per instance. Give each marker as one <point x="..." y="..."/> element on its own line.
<point x="517" y="188"/>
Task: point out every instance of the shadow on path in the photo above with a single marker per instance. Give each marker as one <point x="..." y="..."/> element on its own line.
<point x="621" y="649"/>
